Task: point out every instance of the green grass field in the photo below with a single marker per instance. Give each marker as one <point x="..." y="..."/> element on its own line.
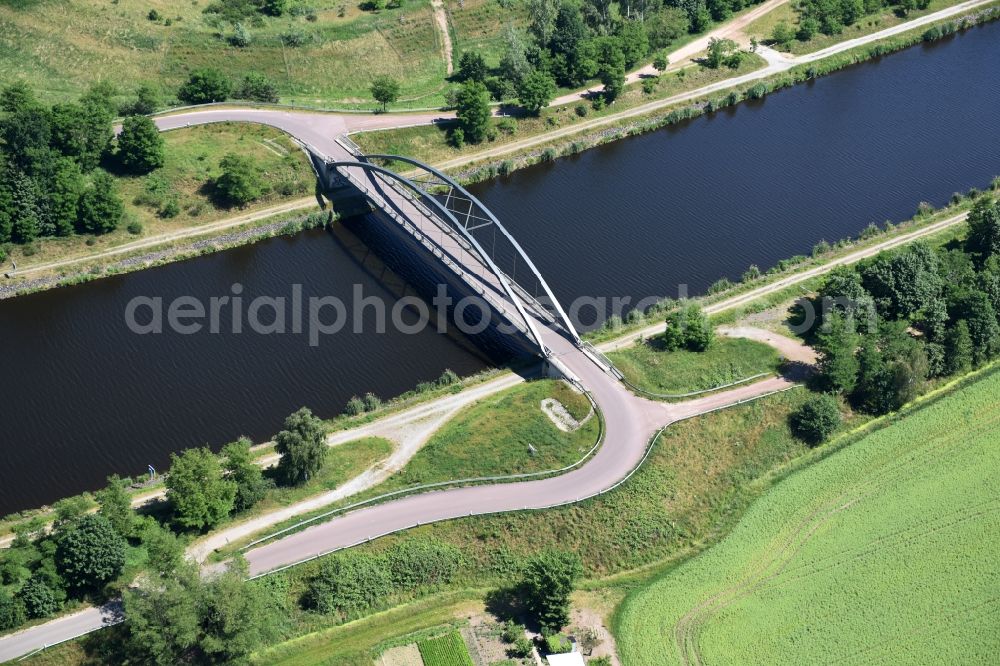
<point x="62" y="46"/>
<point x="885" y="552"/>
<point x="493" y="437"/>
<point x="447" y="650"/>
<point x="652" y="368"/>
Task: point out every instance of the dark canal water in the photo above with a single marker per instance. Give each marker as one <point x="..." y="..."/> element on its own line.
<point x="764" y="181"/>
<point x="82" y="396"/>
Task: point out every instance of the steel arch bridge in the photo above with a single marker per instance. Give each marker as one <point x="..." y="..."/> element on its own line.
<point x="468" y="226"/>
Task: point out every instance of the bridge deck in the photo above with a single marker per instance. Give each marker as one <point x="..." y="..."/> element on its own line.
<point x="422" y="220"/>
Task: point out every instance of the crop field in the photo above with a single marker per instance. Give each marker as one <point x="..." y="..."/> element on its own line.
<point x="63" y="46"/>
<point x="885" y="552"/>
<point x="650" y="366"/>
<point x="447" y="650"/>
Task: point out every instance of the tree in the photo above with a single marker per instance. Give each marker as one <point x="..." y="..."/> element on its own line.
<point x="162" y="619"/>
<point x="843" y="293"/>
<point x="198" y="494"/>
<point x="302" y="445"/>
<point x="782" y="34"/>
<point x="633" y="40"/>
<point x="892" y="369"/>
<point x="837" y="346"/>
<point x="241" y="469"/>
<point x="514" y="65"/>
<point x="903" y="282"/>
<point x="661" y="62"/>
<point x="90" y="553"/>
<point x="37" y="598"/>
<point x="100" y="207"/>
<point x="238" y="616"/>
<point x="719" y="51"/>
<point x="65" y="186"/>
<point x="958" y="349"/>
<point x="11" y="612"/>
<point x="542" y="14"/>
<point x="688" y="328"/>
<point x="140" y="145"/>
<point x="977" y="310"/>
<point x="116" y="505"/>
<point x="385" y="90"/>
<point x="611" y="67"/>
<point x="164" y="551"/>
<point x="204" y="86"/>
<point x="472" y="67"/>
<point x="666" y="26"/>
<point x="257" y="87"/>
<point x="983" y="240"/>
<point x="535" y="91"/>
<point x="548" y="581"/>
<point x="816" y="419"/>
<point x="147" y="100"/>
<point x="473" y="111"/>
<point x="240" y="181"/>
<point x="18" y="96"/>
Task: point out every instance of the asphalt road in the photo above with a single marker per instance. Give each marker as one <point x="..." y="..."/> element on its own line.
<point x="630" y="421"/>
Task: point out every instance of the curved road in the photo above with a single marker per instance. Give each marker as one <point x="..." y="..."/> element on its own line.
<point x="630" y="421"/>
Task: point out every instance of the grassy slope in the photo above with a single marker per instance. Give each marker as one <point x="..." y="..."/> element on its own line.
<point x="882" y="551"/>
<point x="649" y="366"/>
<point x="478" y="26"/>
<point x="64" y="45"/>
<point x="192" y="162"/>
<point x="492" y="437"/>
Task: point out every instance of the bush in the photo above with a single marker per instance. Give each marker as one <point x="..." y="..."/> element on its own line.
<point x="134" y="227"/>
<point x="688" y="328"/>
<point x="205" y="85"/>
<point x="507" y="126"/>
<point x="169" y="209"/>
<point x="240" y="182"/>
<point x="418" y="563"/>
<point x="448" y="377"/>
<point x="649" y="85"/>
<point x="153" y="15"/>
<point x="521" y="648"/>
<point x="354" y="406"/>
<point x="240" y="37"/>
<point x="580" y="110"/>
<point x="816" y="419"/>
<point x="557" y="644"/>
<point x="37" y="598"/>
<point x="258" y="88"/>
<point x="457" y="137"/>
<point x="720" y="285"/>
<point x="349" y="583"/>
<point x="11" y="612"/>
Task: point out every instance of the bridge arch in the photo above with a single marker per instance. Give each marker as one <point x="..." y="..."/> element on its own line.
<point x="391" y="178"/>
<point x="475" y="216"/>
